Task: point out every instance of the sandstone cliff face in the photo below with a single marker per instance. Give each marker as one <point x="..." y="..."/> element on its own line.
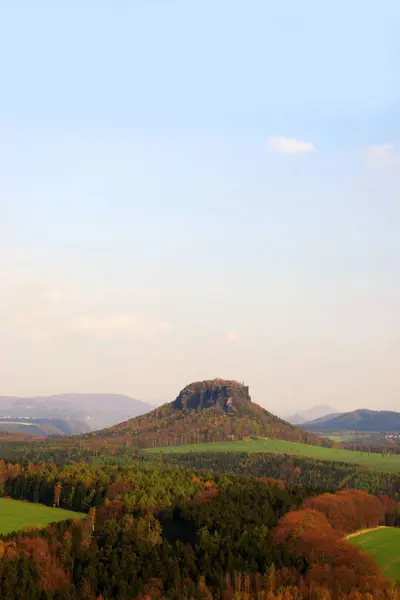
<point x="216" y="393"/>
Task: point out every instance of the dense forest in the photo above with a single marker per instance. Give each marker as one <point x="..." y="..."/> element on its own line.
<point x="296" y="470"/>
<point x="156" y="531"/>
<point x="321" y="475"/>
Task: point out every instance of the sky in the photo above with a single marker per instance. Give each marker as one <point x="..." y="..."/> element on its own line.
<point x="191" y="190"/>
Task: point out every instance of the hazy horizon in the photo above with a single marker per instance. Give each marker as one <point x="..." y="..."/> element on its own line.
<point x="286" y="411"/>
<point x="197" y="191"/>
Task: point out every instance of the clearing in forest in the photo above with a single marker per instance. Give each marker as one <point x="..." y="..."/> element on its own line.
<point x="17" y="514"/>
<point x="383" y="544"/>
<point x="377" y="462"/>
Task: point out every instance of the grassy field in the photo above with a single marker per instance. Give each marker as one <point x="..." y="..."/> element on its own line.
<point x="15" y="515"/>
<point x="374" y="461"/>
<point x="384" y="546"/>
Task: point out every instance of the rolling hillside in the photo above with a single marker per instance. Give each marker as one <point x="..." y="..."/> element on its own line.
<point x="357" y="420"/>
<point x="207" y="411"/>
<point x="385" y="463"/>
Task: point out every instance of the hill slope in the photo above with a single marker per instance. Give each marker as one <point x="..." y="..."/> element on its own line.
<point x="207" y="411"/>
<point x="358" y="420"/>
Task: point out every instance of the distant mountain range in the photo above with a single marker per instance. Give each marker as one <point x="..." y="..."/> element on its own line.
<point x="66" y="414"/>
<point x="357" y="420"/>
<point x="309" y="414"/>
<point x="207" y="411"/>
<point x="40" y="427"/>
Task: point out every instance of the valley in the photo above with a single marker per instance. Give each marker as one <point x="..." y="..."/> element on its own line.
<point x="66" y="414"/>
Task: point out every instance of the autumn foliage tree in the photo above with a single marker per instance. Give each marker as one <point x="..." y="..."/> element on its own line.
<point x="349" y="510"/>
<point x="315" y="534"/>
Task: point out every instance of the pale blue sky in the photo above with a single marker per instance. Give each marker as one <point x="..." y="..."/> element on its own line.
<point x="191" y="190"/>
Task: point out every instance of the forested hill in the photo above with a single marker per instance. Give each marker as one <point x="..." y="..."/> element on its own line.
<point x="358" y="420"/>
<point x="205" y="411"/>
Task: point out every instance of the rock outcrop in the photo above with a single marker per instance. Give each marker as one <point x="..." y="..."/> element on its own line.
<point x="224" y="394"/>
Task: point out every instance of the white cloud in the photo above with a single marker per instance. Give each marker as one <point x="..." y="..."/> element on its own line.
<point x="34" y="310"/>
<point x="106" y="326"/>
<point x="383" y="155"/>
<point x="287" y="145"/>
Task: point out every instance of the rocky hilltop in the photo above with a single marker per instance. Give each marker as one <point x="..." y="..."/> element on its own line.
<point x="207" y="411"/>
<point x="216" y="393"/>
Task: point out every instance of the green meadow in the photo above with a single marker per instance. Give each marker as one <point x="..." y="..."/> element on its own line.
<point x="16" y="514"/>
<point x="386" y="463"/>
<point x="384" y="546"/>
